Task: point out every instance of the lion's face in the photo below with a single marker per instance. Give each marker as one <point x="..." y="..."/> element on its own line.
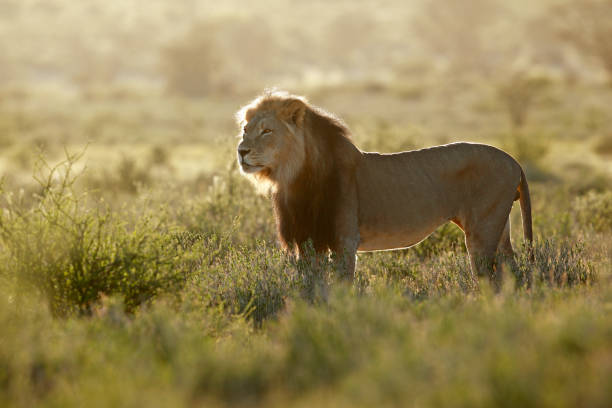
<point x="269" y="143"/>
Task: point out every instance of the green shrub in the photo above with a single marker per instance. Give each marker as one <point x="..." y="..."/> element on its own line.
<point x="192" y="66"/>
<point x="558" y="263"/>
<point x="518" y="93"/>
<point x="255" y="281"/>
<point x="251" y="281"/>
<point x="419" y="278"/>
<point x="231" y="208"/>
<point x="126" y="177"/>
<point x="215" y="53"/>
<point x="74" y="251"/>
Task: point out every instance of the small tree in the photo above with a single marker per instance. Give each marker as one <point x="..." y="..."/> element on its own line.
<point x="192" y="65"/>
<point x="518" y="94"/>
<point x="224" y="53"/>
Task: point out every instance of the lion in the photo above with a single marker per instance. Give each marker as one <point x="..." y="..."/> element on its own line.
<point x="327" y="191"/>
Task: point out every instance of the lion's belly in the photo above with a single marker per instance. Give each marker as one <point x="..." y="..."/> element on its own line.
<point x="372" y="240"/>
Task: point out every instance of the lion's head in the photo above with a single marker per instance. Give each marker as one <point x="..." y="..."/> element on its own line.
<point x="272" y="146"/>
<point x="305" y="155"/>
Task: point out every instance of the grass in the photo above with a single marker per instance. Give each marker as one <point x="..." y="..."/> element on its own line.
<point x="127" y="280"/>
<point x="546" y="348"/>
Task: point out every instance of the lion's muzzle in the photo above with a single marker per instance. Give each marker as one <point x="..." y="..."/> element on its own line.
<point x="242" y="152"/>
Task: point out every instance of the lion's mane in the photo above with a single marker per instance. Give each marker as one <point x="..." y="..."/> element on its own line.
<point x="307" y="201"/>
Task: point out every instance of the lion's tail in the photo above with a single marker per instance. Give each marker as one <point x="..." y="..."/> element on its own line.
<point x="525" y="201"/>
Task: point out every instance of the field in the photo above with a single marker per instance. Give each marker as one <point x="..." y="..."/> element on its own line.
<point x="139" y="268"/>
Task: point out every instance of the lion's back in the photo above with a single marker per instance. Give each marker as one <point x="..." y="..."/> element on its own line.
<point x="438" y="167"/>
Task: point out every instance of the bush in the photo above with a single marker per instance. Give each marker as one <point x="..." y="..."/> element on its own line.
<point x="419" y="278"/>
<point x="558" y="263"/>
<point x="192" y="66"/>
<point x="249" y="281"/>
<point x="127" y="177"/>
<point x="231" y="208"/>
<point x="518" y="94"/>
<point x="83" y="250"/>
<point x="603" y="145"/>
<point x="218" y="53"/>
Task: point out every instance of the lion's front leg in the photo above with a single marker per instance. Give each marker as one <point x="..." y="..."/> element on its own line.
<point x="347" y="231"/>
<point x="348" y="242"/>
<point x="345" y="257"/>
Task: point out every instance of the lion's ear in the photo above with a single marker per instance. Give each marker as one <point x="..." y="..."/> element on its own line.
<point x="294" y="111"/>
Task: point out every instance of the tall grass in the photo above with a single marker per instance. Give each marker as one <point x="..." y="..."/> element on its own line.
<point x="383" y="348"/>
<point x="148" y="293"/>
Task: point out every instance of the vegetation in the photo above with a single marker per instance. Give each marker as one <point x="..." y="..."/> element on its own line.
<point x="139" y="268"/>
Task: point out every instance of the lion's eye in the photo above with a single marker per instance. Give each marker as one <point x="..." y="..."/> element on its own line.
<point x="266" y="131"/>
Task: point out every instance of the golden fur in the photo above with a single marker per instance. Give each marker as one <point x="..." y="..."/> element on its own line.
<point x="326" y="190"/>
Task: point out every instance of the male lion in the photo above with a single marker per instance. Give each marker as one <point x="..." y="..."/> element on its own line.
<point x="328" y="191"/>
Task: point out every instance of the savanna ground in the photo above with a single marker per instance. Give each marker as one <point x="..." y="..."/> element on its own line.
<point x="138" y="268"/>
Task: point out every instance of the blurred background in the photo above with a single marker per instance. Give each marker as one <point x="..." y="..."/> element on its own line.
<point x="150" y="87"/>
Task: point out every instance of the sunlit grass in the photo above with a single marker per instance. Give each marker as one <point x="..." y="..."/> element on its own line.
<point x="148" y="271"/>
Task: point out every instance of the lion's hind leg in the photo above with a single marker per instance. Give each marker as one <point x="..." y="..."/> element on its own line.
<point x="482" y="258"/>
<point x="505" y="252"/>
<point x="505" y="245"/>
<point x="506" y="257"/>
<point x="483" y="238"/>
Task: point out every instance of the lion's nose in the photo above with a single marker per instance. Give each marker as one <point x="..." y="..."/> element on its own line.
<point x="243" y="152"/>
